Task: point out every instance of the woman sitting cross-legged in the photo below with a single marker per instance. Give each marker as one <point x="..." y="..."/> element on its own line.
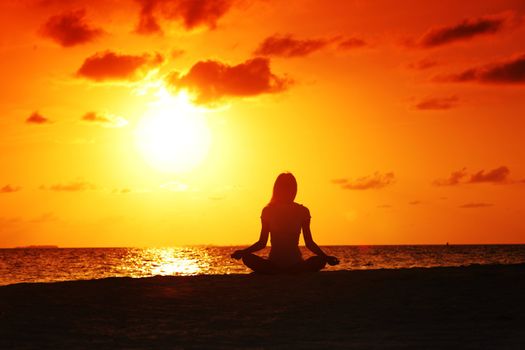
<point x="282" y="220"/>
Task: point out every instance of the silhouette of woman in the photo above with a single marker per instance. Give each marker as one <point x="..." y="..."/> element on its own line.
<point x="282" y="219"/>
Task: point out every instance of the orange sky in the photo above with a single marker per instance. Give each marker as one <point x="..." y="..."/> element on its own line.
<point x="165" y="122"/>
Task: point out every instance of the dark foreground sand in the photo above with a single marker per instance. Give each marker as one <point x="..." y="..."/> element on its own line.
<point x="478" y="307"/>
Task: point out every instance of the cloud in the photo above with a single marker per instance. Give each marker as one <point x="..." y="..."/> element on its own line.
<point x="147" y="22"/>
<point x="473" y="205"/>
<point x="465" y="30"/>
<point x="498" y="175"/>
<point x="10" y="189"/>
<point x="510" y="71"/>
<point x="414" y="202"/>
<point x="423" y="64"/>
<point x="454" y="178"/>
<point x="192" y="13"/>
<point x="289" y="46"/>
<point x="211" y="80"/>
<point x="106" y="120"/>
<point x="121" y="190"/>
<point x="74" y="186"/>
<point x="351" y="43"/>
<point x="437" y="103"/>
<point x="110" y="65"/>
<point x="70" y="29"/>
<point x="37" y="118"/>
<point x="374" y="181"/>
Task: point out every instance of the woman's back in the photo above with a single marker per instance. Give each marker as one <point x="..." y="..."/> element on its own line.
<point x="284" y="221"/>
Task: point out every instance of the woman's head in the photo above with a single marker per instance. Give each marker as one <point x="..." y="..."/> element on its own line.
<point x="284" y="188"/>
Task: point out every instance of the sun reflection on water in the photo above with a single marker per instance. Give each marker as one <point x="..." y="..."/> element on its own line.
<point x="161" y="261"/>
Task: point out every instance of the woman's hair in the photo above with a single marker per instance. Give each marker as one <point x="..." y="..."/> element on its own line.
<point x="284" y="189"/>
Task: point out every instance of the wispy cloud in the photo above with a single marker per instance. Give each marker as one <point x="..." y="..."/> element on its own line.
<point x="10" y="189"/>
<point x="465" y="30"/>
<point x="73" y="186"/>
<point x="105" y="120"/>
<point x="37" y="118"/>
<point x="192" y="13"/>
<point x="211" y="80"/>
<point x="474" y="205"/>
<point x="510" y="71"/>
<point x="110" y="65"/>
<point x="437" y="103"/>
<point x="70" y="29"/>
<point x="498" y="175"/>
<point x="287" y="45"/>
<point x="374" y="181"/>
<point x="423" y="64"/>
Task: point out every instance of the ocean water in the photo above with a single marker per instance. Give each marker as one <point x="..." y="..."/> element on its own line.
<point x="60" y="264"/>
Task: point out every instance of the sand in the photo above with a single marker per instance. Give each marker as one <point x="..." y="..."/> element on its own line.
<point x="477" y="307"/>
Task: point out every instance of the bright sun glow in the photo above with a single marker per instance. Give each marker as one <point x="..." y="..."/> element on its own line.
<point x="173" y="135"/>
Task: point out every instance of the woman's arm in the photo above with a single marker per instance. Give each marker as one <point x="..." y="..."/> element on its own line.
<point x="314" y="248"/>
<point x="260" y="244"/>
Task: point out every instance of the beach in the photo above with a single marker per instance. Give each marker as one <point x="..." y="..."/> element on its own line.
<point x="474" y="307"/>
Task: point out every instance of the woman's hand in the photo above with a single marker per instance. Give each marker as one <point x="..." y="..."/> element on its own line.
<point x="238" y="254"/>
<point x="331" y="260"/>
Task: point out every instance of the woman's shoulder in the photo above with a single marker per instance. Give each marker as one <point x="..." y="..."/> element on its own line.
<point x="274" y="206"/>
<point x="302" y="208"/>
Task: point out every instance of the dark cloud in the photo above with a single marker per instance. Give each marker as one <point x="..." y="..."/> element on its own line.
<point x="414" y="202"/>
<point x="498" y="175"/>
<point x="147" y="22"/>
<point x="374" y="181"/>
<point x="351" y="43"/>
<point x="473" y="205"/>
<point x="10" y="189"/>
<point x="437" y="103"/>
<point x="192" y="13"/>
<point x="288" y="46"/>
<point x="423" y="64"/>
<point x="110" y="65"/>
<point x="109" y="121"/>
<point x="37" y="118"/>
<point x="74" y="186"/>
<point x="339" y="181"/>
<point x="454" y="178"/>
<point x="511" y="71"/>
<point x="70" y="29"/>
<point x="93" y="117"/>
<point x="467" y="29"/>
<point x="211" y="80"/>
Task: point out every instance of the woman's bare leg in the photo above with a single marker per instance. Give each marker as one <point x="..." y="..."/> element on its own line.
<point x="314" y="264"/>
<point x="258" y="264"/>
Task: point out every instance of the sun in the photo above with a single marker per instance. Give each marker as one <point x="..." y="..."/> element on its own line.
<point x="173" y="134"/>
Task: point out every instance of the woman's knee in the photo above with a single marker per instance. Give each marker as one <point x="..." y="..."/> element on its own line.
<point x="258" y="264"/>
<point x="315" y="263"/>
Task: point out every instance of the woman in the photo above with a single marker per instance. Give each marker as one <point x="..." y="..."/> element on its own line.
<point x="283" y="220"/>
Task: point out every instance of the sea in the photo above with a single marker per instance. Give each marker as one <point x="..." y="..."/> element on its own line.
<point x="33" y="265"/>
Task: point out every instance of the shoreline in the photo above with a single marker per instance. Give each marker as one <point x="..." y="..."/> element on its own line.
<point x="478" y="306"/>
